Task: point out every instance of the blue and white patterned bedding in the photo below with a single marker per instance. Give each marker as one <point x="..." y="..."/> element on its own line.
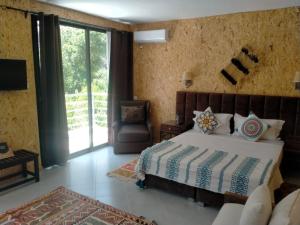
<point x="211" y="169"/>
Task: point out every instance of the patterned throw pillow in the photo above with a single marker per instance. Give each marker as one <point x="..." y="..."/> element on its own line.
<point x="207" y="121"/>
<point x="132" y="114"/>
<point x="253" y="128"/>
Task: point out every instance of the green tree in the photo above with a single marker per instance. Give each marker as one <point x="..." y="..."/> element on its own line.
<point x="74" y="60"/>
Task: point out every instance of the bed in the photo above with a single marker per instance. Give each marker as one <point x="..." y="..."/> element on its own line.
<point x="211" y="191"/>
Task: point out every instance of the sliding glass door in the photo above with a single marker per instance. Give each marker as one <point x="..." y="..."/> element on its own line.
<point x="85" y="68"/>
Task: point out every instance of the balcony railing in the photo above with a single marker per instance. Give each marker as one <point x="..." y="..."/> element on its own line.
<point x="77" y="110"/>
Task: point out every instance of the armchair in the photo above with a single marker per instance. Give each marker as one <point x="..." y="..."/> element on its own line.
<point x="132" y="136"/>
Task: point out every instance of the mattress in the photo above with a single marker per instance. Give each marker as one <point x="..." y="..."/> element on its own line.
<point x="225" y="152"/>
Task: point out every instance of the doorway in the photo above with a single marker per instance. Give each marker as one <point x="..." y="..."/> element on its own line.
<point x="85" y="67"/>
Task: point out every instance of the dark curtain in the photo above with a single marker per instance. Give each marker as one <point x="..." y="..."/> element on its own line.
<point x="53" y="129"/>
<point x="120" y="74"/>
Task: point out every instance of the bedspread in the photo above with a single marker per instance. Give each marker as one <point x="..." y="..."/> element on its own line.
<point x="210" y="169"/>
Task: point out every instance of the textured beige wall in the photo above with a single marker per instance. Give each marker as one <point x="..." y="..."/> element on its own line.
<point x="18" y="117"/>
<point x="204" y="46"/>
<point x="18" y="114"/>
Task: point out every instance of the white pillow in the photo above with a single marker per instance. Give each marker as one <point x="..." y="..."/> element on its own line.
<point x="287" y="211"/>
<point x="258" y="207"/>
<point x="274" y="130"/>
<point x="223" y="118"/>
<point x="271" y="134"/>
<point x="238" y="121"/>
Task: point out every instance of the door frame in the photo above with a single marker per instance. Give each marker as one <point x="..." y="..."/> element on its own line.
<point x="87" y="30"/>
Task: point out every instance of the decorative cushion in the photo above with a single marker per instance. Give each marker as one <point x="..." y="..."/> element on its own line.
<point x="223" y="118"/>
<point x="287" y="211"/>
<point x="207" y="121"/>
<point x="275" y="127"/>
<point x="253" y="128"/>
<point x="133" y="133"/>
<point x="258" y="207"/>
<point x="132" y="114"/>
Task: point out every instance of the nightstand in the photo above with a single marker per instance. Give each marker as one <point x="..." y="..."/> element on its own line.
<point x="170" y="129"/>
<point x="291" y="154"/>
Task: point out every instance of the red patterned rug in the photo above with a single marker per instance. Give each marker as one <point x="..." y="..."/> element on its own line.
<point x="125" y="172"/>
<point x="63" y="206"/>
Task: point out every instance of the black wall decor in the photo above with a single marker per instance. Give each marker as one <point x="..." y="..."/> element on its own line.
<point x="228" y="77"/>
<point x="240" y="66"/>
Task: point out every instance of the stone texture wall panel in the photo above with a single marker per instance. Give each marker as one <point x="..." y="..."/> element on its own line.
<point x="204" y="46"/>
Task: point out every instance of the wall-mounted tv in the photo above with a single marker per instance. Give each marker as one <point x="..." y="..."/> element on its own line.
<point x="13" y="74"/>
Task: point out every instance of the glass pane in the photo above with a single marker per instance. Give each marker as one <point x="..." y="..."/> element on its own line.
<point x="76" y="92"/>
<point x="99" y="75"/>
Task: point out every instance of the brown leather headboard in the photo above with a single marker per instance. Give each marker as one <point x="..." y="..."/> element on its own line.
<point x="268" y="107"/>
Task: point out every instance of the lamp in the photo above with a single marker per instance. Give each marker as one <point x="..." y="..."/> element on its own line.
<point x="297" y="80"/>
<point x="187" y="79"/>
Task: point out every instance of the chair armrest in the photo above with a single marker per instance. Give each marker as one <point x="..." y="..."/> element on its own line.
<point x="115" y="125"/>
<point x="149" y="125"/>
<point x="230" y="197"/>
<point x="150" y="128"/>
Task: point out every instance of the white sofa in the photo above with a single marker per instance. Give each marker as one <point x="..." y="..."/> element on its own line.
<point x="258" y="210"/>
<point x="230" y="214"/>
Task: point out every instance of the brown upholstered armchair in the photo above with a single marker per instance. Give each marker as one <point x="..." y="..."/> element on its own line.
<point x="133" y="129"/>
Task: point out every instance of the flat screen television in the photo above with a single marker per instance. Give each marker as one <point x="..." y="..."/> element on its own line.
<point x="13" y="74"/>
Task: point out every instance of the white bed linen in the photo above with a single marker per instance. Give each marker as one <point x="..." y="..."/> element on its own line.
<point x="263" y="149"/>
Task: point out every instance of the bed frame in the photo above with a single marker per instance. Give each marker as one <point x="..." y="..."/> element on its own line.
<point x="268" y="107"/>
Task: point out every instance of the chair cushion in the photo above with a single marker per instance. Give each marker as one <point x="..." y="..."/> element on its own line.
<point x="230" y="214"/>
<point x="133" y="133"/>
<point x="133" y="114"/>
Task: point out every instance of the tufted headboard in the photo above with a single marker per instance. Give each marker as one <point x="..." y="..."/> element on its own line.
<point x="268" y="107"/>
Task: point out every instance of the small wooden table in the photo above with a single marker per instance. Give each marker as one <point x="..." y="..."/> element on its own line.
<point x="21" y="157"/>
<point x="170" y="129"/>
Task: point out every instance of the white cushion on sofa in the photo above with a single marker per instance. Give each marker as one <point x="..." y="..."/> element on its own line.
<point x="287" y="211"/>
<point x="229" y="214"/>
<point x="258" y="207"/>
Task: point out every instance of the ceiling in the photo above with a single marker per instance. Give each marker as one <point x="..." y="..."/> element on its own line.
<point x="146" y="11"/>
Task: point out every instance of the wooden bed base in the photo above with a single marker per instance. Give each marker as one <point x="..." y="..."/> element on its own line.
<point x="269" y="107"/>
<point x="199" y="195"/>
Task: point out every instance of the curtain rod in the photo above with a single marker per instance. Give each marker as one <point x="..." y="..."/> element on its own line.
<point x="26" y="12"/>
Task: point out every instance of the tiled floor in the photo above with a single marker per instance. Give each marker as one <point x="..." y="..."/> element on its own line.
<point x="87" y="175"/>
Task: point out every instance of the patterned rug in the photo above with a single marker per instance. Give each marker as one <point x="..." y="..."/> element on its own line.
<point x="63" y="206"/>
<point x="125" y="172"/>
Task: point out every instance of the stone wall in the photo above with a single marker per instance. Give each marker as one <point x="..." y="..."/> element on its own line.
<point x="204" y="46"/>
